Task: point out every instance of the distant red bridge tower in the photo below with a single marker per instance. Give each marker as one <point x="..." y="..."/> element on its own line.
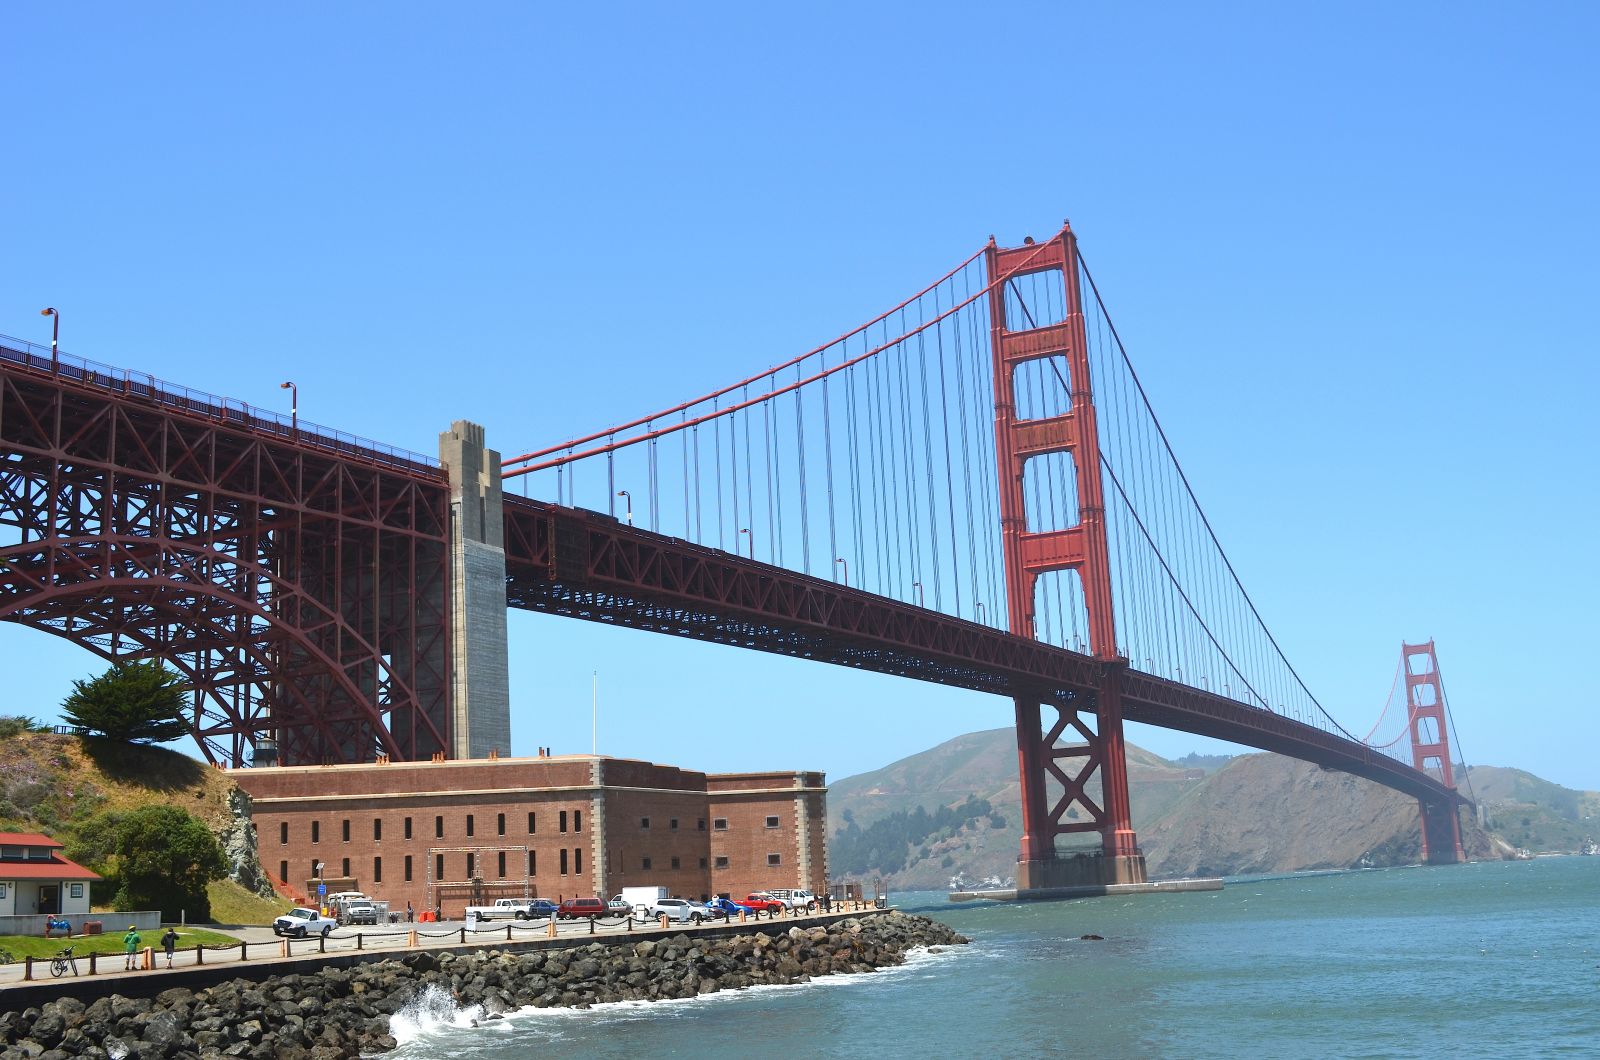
<point x="1430" y="751"/>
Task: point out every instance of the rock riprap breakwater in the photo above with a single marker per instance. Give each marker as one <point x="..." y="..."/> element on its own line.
<point x="342" y="1012"/>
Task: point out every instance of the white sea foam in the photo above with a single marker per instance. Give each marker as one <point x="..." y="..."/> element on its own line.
<point x="429" y="1011"/>
<point x="433" y="1011"/>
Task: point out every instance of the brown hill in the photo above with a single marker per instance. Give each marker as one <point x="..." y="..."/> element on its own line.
<point x="1258" y="813"/>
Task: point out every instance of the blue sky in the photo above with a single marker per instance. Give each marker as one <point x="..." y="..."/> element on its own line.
<point x="1350" y="250"/>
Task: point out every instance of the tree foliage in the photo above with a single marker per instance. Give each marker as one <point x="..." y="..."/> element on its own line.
<point x="130" y="703"/>
<point x="884" y="845"/>
<point x="162" y="857"/>
<point x="17" y="724"/>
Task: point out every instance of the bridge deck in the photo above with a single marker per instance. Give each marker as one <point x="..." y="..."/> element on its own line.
<point x="583" y="564"/>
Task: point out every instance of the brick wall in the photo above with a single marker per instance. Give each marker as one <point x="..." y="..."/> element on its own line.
<point x="587" y="830"/>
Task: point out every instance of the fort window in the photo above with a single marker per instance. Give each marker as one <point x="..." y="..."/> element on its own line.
<point x="377" y="870"/>
<point x="283" y="835"/>
<point x="470" y="830"/>
<point x="533" y="863"/>
<point x="502" y="865"/>
<point x="438" y="866"/>
<point x="702" y="863"/>
<point x="563" y="820"/>
<point x="722" y="861"/>
<point x="644" y="863"/>
<point x="675" y="863"/>
<point x="316" y="831"/>
<point x="471" y="865"/>
<point x="700" y="824"/>
<point x="501" y="824"/>
<point x="563" y="861"/>
<point x="772" y="822"/>
<point x="344" y="833"/>
<point x="530" y="823"/>
<point x="438" y="827"/>
<point x="283" y="871"/>
<point x="673" y="824"/>
<point x="774" y="859"/>
<point x="644" y="822"/>
<point x="408" y="868"/>
<point x="344" y="868"/>
<point x="577" y="820"/>
<point x="577" y="862"/>
<point x="377" y="828"/>
<point x="408" y="828"/>
<point x="720" y="824"/>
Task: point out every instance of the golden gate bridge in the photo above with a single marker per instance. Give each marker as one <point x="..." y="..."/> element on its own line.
<point x="971" y="489"/>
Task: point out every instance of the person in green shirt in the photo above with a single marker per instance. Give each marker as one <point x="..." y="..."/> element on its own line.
<point x="130" y="947"/>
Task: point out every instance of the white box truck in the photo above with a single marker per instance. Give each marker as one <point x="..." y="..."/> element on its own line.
<point x="641" y="900"/>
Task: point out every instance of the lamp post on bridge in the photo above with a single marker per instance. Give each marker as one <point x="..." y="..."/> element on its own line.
<point x="921" y="601"/>
<point x="840" y="561"/>
<point x="625" y="495"/>
<point x="294" y="408"/>
<point x="55" y="337"/>
<point x="745" y="530"/>
<point x="981" y="617"/>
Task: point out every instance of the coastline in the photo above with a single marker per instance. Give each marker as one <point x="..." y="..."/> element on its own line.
<point x="340" y="1011"/>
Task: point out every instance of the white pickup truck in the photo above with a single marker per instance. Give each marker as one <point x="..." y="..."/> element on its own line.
<point x="519" y="908"/>
<point x="301" y="922"/>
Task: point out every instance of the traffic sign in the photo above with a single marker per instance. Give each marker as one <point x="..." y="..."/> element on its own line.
<point x="322" y="889"/>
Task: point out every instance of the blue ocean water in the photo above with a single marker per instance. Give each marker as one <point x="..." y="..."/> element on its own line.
<point x="1493" y="959"/>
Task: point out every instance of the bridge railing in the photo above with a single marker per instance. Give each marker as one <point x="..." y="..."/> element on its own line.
<point x="231" y="411"/>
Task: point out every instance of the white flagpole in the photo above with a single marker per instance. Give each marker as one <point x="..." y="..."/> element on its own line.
<point x="594" y="715"/>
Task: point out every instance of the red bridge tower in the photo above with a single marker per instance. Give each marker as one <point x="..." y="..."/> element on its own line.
<point x="1430" y="751"/>
<point x="1098" y="760"/>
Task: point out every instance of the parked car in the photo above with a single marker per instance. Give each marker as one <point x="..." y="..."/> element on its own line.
<point x="581" y="908"/>
<point x="678" y="909"/>
<point x="794" y="899"/>
<point x="519" y="908"/>
<point x="358" y="911"/>
<point x="542" y="907"/>
<point x="761" y="902"/>
<point x="616" y="906"/>
<point x="725" y="907"/>
<point x="301" y="922"/>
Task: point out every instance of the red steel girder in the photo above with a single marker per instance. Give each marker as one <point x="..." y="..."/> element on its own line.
<point x="300" y="583"/>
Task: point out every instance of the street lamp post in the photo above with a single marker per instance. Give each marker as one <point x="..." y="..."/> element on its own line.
<point x="745" y="530"/>
<point x="625" y="495"/>
<point x="321" y="904"/>
<point x="294" y="407"/>
<point x="55" y="337"/>
<point x="843" y="563"/>
<point x="981" y="616"/>
<point x="918" y="587"/>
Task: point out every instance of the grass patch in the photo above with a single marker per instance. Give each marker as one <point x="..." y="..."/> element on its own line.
<point x="232" y="904"/>
<point x="20" y="946"/>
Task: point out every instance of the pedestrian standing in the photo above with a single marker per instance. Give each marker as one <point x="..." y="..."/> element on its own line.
<point x="130" y="947"/>
<point x="169" y="942"/>
<point x="410" y="913"/>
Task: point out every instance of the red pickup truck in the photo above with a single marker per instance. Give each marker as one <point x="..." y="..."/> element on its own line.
<point x="579" y="908"/>
<point x="762" y="903"/>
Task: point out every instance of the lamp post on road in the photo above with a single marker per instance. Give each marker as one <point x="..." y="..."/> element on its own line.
<point x="841" y="562"/>
<point x="625" y="495"/>
<point x="294" y="407"/>
<point x="55" y="337"/>
<point x="745" y="530"/>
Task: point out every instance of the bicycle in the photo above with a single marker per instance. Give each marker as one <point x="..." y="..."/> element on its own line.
<point x="62" y="961"/>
